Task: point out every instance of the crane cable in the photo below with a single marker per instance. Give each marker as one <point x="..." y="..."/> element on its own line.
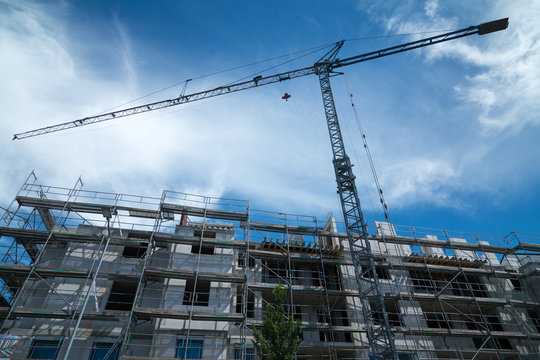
<point x="368" y="153"/>
<point x="311" y="51"/>
<point x="401" y="34"/>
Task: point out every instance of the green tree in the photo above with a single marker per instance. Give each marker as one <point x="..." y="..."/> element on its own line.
<point x="280" y="334"/>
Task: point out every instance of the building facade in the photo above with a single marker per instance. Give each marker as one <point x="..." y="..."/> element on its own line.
<point x="94" y="275"/>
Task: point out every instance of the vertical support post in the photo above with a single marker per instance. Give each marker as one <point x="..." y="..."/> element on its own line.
<point x="124" y="336"/>
<point x="197" y="269"/>
<point x="89" y="291"/>
<point x="380" y="337"/>
<point x="289" y="265"/>
<point x="245" y="292"/>
<point x="332" y="350"/>
<point x="59" y="223"/>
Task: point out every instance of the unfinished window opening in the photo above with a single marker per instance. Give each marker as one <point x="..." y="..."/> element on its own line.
<point x="494" y="323"/>
<point x="494" y="343"/>
<point x="136" y="252"/>
<point x="436" y="320"/>
<point x="421" y="282"/>
<point x="249" y="353"/>
<point x="189" y="348"/>
<point x="516" y="284"/>
<point x="101" y="349"/>
<point x="392" y="312"/>
<point x="205" y="234"/>
<point x="326" y="336"/>
<point x="316" y="277"/>
<point x="250" y="305"/>
<point x="344" y="317"/>
<point x="242" y="260"/>
<point x="332" y="277"/>
<point x="122" y="296"/>
<point x="478" y="342"/>
<point x="275" y="272"/>
<point x="504" y="344"/>
<point x="477" y="285"/>
<point x="44" y="349"/>
<point x="239" y="301"/>
<point x="199" y="296"/>
<point x="296" y="311"/>
<point x="382" y="273"/>
<point x="340" y="318"/>
<point x="205" y="250"/>
<point x="468" y="286"/>
<point x="394" y="315"/>
<point x="322" y="317"/>
<point x="535" y="318"/>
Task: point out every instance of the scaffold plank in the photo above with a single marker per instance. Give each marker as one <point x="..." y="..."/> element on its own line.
<point x="488" y="301"/>
<point x="190" y="274"/>
<point x="80" y="207"/>
<point x="282" y="228"/>
<point x="303" y="289"/>
<point x="64" y="314"/>
<point x="184" y="314"/>
<point x="208" y="212"/>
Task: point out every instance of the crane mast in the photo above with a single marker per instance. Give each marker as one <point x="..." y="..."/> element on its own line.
<point x="378" y="329"/>
<point x="381" y="340"/>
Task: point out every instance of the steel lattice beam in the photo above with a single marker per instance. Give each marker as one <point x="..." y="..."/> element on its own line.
<point x="380" y="337"/>
<point x="481" y="29"/>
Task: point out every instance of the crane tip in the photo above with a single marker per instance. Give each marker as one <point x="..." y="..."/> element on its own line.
<point x="15" y="137"/>
<point x="492" y="26"/>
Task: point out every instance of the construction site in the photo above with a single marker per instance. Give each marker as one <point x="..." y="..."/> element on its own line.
<point x="88" y="274"/>
<point x="95" y="275"/>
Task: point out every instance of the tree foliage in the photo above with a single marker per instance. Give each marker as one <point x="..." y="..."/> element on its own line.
<point x="280" y="335"/>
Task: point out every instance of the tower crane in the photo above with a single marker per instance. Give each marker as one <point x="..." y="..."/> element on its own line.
<point x="380" y="337"/>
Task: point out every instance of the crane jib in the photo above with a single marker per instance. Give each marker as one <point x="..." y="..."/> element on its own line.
<point x="484" y="28"/>
<point x="225" y="89"/>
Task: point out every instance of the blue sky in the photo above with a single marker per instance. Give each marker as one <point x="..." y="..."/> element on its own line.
<point x="453" y="128"/>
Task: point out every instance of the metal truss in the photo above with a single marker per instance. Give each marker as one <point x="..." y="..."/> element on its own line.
<point x="380" y="337"/>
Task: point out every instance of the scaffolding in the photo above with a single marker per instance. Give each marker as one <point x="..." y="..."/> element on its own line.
<point x="96" y="275"/>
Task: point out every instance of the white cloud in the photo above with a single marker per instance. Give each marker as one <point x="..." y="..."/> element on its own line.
<point x="505" y="89"/>
<point x="253" y="145"/>
<point x="494" y="102"/>
<point x="223" y="145"/>
<point x="421" y="180"/>
<point x="430" y="7"/>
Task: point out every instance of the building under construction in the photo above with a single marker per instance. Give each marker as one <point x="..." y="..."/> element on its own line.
<point x="96" y="275"/>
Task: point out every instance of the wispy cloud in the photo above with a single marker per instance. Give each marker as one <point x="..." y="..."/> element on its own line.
<point x="222" y="146"/>
<point x="254" y="145"/>
<point x="505" y="89"/>
<point x="497" y="88"/>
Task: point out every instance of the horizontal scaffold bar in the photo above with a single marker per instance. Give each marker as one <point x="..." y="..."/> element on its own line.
<point x="149" y="313"/>
<point x="484" y="301"/>
<point x="64" y="314"/>
<point x="202" y="212"/>
<point x="138" y="237"/>
<point x="7" y="270"/>
<point x="81" y="207"/>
